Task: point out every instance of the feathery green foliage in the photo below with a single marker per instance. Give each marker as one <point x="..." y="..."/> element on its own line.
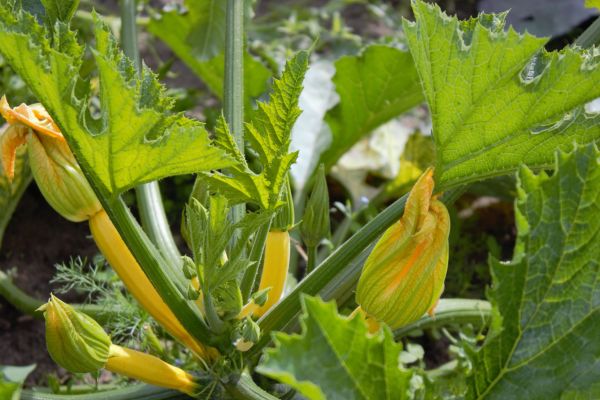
<point x="269" y="136"/>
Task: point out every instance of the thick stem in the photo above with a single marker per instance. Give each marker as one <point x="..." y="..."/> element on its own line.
<point x="133" y="392"/>
<point x="451" y="311"/>
<point x="29" y="305"/>
<point x="311" y="263"/>
<point x="246" y="389"/>
<point x="233" y="91"/>
<point x="256" y="255"/>
<point x="152" y="212"/>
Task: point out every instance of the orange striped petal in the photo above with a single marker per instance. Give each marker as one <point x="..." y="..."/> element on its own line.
<point x="11" y="138"/>
<point x="404" y="275"/>
<point x="35" y="116"/>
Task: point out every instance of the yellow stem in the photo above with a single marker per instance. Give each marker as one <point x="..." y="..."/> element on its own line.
<point x="275" y="270"/>
<point x="149" y="369"/>
<point x="137" y="283"/>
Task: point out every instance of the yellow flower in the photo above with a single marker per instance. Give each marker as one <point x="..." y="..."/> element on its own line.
<point x="403" y="278"/>
<point x="54" y="167"/>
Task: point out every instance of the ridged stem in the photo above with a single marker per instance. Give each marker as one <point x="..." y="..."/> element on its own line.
<point x="233" y="90"/>
<point x="152" y="212"/>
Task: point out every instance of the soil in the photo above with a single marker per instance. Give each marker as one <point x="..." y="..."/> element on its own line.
<point x="36" y="239"/>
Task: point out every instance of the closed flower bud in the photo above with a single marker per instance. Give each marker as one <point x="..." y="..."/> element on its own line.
<point x="403" y="278"/>
<point x="54" y="167"/>
<point x="74" y="340"/>
<point x="315" y="223"/>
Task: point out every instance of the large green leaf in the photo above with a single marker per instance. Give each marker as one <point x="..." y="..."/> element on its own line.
<point x="197" y="37"/>
<point x="269" y="134"/>
<point x="133" y="139"/>
<point x="497" y="98"/>
<point x="374" y="87"/>
<point x="335" y="358"/>
<point x="11" y="192"/>
<point x="544" y="342"/>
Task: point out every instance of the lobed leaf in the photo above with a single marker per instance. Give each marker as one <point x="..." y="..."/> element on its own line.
<point x="133" y="139"/>
<point x="335" y="358"/>
<point x="269" y="134"/>
<point x="497" y="98"/>
<point x="544" y="341"/>
<point x="374" y="87"/>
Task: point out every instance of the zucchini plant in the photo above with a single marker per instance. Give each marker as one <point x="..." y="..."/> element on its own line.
<point x="500" y="104"/>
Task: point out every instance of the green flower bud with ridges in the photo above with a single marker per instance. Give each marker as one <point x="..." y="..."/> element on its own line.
<point x="315" y="222"/>
<point x="74" y="340"/>
<point x="403" y="278"/>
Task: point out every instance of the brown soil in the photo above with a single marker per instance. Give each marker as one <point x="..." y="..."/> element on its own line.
<point x="36" y="239"/>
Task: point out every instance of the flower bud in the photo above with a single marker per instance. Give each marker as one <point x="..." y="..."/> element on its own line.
<point x="315" y="223"/>
<point x="403" y="277"/>
<point x="74" y="340"/>
<point x="54" y="167"/>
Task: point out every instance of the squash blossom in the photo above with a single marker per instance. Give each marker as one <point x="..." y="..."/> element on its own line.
<point x="403" y="277"/>
<point x="64" y="186"/>
<point x="79" y="344"/>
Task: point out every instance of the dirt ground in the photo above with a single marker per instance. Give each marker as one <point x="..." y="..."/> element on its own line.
<point x="36" y="239"/>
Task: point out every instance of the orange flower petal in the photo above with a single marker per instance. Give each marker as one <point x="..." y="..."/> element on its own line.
<point x="10" y="139"/>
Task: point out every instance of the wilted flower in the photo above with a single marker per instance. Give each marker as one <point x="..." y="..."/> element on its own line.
<point x="54" y="167"/>
<point x="403" y="278"/>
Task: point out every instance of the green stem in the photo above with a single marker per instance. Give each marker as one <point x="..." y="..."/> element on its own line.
<point x="590" y="36"/>
<point x="337" y="263"/>
<point x="172" y="288"/>
<point x="311" y="263"/>
<point x="256" y="254"/>
<point x="133" y="392"/>
<point x="246" y="389"/>
<point x="29" y="305"/>
<point x="152" y="212"/>
<point x="451" y="311"/>
<point x="233" y="90"/>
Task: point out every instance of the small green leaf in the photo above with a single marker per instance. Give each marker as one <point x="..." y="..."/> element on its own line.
<point x="497" y="98"/>
<point x="269" y="135"/>
<point x="197" y="37"/>
<point x="10" y="193"/>
<point x="374" y="87"/>
<point x="134" y="139"/>
<point x="544" y="342"/>
<point x="335" y="358"/>
<point x="60" y="10"/>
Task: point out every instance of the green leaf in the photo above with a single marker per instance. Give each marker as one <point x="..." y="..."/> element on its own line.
<point x="497" y="98"/>
<point x="269" y="135"/>
<point x="60" y="10"/>
<point x="335" y="358"/>
<point x="133" y="139"/>
<point x="11" y="380"/>
<point x="197" y="37"/>
<point x="10" y="193"/>
<point x="544" y="340"/>
<point x="374" y="87"/>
